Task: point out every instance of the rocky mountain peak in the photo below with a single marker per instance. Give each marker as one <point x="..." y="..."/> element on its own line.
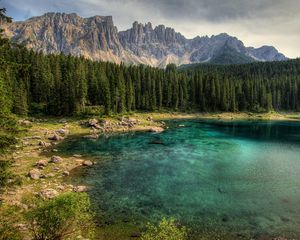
<point x="98" y="38"/>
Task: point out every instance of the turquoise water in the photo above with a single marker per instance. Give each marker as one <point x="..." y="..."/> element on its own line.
<point x="237" y="178"/>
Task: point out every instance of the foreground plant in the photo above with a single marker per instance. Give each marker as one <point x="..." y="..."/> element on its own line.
<point x="10" y="216"/>
<point x="63" y="217"/>
<point x="166" y="230"/>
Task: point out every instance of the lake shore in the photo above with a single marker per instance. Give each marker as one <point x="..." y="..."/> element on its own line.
<point x="39" y="146"/>
<point x="35" y="145"/>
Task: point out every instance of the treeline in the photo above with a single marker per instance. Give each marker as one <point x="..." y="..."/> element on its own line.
<point x="34" y="83"/>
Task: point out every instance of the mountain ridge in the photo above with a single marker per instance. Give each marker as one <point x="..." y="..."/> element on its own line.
<point x="98" y="38"/>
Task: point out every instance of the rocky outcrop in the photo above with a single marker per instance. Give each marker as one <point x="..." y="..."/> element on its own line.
<point x="97" y="38"/>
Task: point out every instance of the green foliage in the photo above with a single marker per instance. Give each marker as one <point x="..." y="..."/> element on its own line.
<point x="5" y="175"/>
<point x="3" y="16"/>
<point x="166" y="230"/>
<point x="8" y="131"/>
<point x="63" y="217"/>
<point x="231" y="56"/>
<point x="10" y="216"/>
<point x="93" y="111"/>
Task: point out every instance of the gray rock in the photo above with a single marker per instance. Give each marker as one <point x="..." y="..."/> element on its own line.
<point x="87" y="163"/>
<point x="55" y="159"/>
<point x="35" y="174"/>
<point x="49" y="175"/>
<point x="80" y="189"/>
<point x="48" y="193"/>
<point x="63" y="132"/>
<point x="42" y="163"/>
<point x="56" y="137"/>
<point x="66" y="173"/>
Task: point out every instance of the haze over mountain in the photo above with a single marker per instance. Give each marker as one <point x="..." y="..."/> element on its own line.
<point x="97" y="38"/>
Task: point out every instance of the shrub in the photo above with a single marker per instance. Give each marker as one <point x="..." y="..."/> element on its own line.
<point x="166" y="230"/>
<point x="63" y="217"/>
<point x="9" y="218"/>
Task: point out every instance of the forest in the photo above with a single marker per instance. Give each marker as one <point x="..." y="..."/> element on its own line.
<point x="34" y="83"/>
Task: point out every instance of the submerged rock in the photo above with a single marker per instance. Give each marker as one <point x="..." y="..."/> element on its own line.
<point x="157" y="142"/>
<point x="156" y="129"/>
<point x="92" y="136"/>
<point x="87" y="163"/>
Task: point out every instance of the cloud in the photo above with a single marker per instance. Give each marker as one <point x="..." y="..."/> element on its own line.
<point x="256" y="22"/>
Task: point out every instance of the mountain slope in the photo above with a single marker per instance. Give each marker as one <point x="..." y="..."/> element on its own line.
<point x="97" y="38"/>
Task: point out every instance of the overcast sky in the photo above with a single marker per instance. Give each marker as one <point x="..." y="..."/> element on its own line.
<point x="255" y="22"/>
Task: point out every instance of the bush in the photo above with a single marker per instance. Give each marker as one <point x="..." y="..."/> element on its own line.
<point x="63" y="217"/>
<point x="166" y="230"/>
<point x="9" y="218"/>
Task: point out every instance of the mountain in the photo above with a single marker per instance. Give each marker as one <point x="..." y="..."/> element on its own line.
<point x="98" y="38"/>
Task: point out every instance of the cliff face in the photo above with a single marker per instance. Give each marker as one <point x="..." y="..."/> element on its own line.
<point x="97" y="38"/>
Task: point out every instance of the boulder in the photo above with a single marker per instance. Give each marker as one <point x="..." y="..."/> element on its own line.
<point x="55" y="159"/>
<point x="92" y="122"/>
<point x="35" y="174"/>
<point x="56" y="137"/>
<point x="80" y="189"/>
<point x="48" y="193"/>
<point x="63" y="131"/>
<point x="49" y="175"/>
<point x="61" y="187"/>
<point x="87" y="163"/>
<point x="42" y="163"/>
<point x="25" y="122"/>
<point x="66" y="173"/>
<point x="104" y="123"/>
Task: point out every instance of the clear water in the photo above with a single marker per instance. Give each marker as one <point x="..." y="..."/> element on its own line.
<point x="236" y="178"/>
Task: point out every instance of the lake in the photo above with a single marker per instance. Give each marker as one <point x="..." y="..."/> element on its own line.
<point x="234" y="179"/>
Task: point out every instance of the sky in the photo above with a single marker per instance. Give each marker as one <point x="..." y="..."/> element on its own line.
<point x="255" y="22"/>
